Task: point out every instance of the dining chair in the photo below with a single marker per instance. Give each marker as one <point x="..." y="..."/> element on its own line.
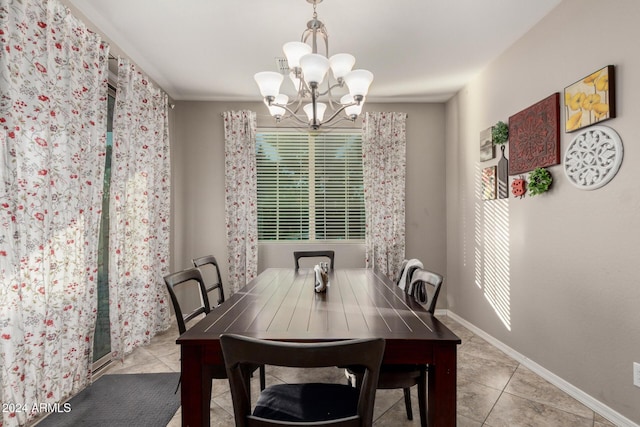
<point x="325" y="404"/>
<point x="313" y="254"/>
<point x="184" y="280"/>
<point x="205" y="264"/>
<point x="424" y="288"/>
<point x="208" y="262"/>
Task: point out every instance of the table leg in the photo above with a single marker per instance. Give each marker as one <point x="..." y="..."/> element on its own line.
<point x="195" y="393"/>
<point x="442" y="387"/>
<point x="422" y="397"/>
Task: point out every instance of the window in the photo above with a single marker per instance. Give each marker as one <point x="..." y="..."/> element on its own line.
<point x="309" y="186"/>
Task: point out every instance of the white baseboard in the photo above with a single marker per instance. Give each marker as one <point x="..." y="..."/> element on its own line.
<point x="582" y="397"/>
<point x="440" y="312"/>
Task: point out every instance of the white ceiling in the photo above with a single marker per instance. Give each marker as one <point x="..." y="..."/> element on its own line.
<point x="418" y="50"/>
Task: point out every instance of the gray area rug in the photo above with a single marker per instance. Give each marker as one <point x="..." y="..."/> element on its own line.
<point x="122" y="400"/>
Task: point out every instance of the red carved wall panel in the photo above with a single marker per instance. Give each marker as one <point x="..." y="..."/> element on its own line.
<point x="534" y="136"/>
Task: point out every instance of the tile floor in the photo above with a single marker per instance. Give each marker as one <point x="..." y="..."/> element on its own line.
<point x="493" y="389"/>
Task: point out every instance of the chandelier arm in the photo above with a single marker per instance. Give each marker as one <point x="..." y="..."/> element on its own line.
<point x="333" y="116"/>
<point x="293" y="110"/>
<point x="332" y="103"/>
<point x="290" y="111"/>
<point x="352" y="119"/>
<point x="328" y="91"/>
<point x="299" y="101"/>
<point x="329" y="96"/>
<point x="339" y="83"/>
<point x="325" y="35"/>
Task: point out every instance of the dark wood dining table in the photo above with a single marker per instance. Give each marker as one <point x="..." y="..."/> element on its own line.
<point x="281" y="304"/>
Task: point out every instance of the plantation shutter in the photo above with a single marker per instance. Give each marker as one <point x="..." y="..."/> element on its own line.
<point x="339" y="199"/>
<point x="309" y="186"/>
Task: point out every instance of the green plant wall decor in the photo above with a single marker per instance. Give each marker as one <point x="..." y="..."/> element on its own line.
<point x="500" y="133"/>
<point x="539" y="181"/>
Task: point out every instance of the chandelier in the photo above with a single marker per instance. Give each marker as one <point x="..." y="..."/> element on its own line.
<point x="307" y="70"/>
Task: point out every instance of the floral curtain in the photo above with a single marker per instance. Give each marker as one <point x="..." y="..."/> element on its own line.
<point x="139" y="212"/>
<point x="384" y="161"/>
<point x="241" y="212"/>
<point x="53" y="105"/>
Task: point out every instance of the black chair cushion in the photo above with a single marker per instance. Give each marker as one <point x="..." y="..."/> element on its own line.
<point x="307" y="402"/>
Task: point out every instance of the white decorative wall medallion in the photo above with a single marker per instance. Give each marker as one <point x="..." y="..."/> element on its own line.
<point x="593" y="157"/>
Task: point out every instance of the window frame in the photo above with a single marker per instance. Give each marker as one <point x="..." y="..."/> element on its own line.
<point x="312" y="137"/>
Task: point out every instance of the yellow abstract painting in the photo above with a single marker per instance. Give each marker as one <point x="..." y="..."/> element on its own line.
<point x="590" y="100"/>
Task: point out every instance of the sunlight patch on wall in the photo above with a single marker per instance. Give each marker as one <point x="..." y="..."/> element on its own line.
<point x="497" y="280"/>
<point x="491" y="241"/>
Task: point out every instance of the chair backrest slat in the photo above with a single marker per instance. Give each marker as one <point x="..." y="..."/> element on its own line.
<point x="314" y="254"/>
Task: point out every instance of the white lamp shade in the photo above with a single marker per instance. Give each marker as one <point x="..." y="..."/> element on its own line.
<point x="341" y="64"/>
<point x="294" y="51"/>
<point x="274" y="110"/>
<point x="314" y="68"/>
<point x="358" y="82"/>
<point x="353" y="110"/>
<point x="295" y="81"/>
<point x="269" y="82"/>
<point x="320" y="109"/>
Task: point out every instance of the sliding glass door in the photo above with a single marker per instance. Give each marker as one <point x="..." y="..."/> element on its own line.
<point x="102" y="337"/>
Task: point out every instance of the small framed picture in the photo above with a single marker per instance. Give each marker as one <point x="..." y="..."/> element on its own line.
<point x="487" y="151"/>
<point x="489" y="183"/>
<point x="590" y="100"/>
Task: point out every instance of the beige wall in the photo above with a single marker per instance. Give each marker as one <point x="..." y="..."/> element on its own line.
<point x="198" y="187"/>
<point x="560" y="267"/>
